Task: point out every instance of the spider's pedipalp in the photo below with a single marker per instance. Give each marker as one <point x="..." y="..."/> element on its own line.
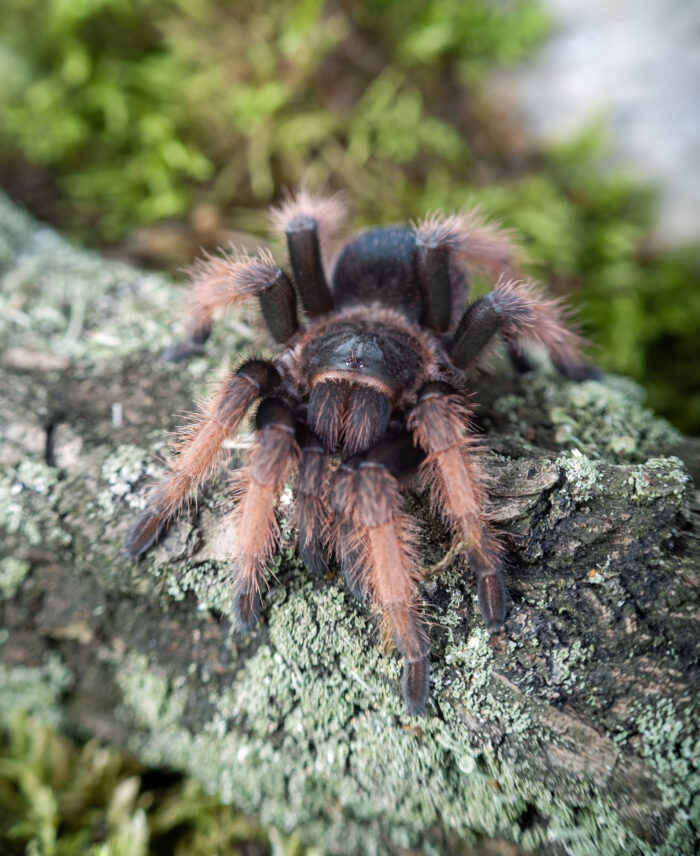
<point x="307" y="221"/>
<point x="199" y="449"/>
<point x="521" y="312"/>
<point x="257" y="487"/>
<point x="440" y="422"/>
<point x="379" y="542"/>
<point x="224" y="280"/>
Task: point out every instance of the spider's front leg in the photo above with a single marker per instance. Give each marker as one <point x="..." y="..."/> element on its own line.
<point x="199" y="450"/>
<point x="440" y="423"/>
<point x="258" y="486"/>
<point x="377" y="544"/>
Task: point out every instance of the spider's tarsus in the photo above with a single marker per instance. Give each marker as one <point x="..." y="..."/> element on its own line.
<point x="246" y="609"/>
<point x="145" y="533"/>
<point x="182" y="351"/>
<point x="579" y="371"/>
<point x="416" y="685"/>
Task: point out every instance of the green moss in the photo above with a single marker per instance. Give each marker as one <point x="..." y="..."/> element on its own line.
<point x="116" y="99"/>
<point x="61" y="799"/>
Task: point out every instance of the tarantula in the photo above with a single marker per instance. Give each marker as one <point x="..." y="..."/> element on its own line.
<point x="374" y="378"/>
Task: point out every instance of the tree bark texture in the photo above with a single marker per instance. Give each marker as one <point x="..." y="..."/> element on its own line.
<point x="580" y="736"/>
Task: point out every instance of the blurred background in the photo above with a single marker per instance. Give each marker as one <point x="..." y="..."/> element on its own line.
<point x="151" y="128"/>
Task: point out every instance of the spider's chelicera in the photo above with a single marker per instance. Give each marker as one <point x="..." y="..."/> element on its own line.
<point x="374" y="379"/>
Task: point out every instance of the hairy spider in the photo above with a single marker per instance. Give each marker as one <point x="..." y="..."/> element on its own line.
<point x="375" y="379"/>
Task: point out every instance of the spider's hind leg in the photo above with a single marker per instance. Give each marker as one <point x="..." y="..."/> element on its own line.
<point x="222" y="281"/>
<point x="377" y="541"/>
<point x="520" y="312"/>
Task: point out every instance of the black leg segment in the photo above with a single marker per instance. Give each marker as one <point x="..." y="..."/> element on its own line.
<point x="433" y="276"/>
<point x="307" y="264"/>
<point x="475" y="330"/>
<point x="278" y="304"/>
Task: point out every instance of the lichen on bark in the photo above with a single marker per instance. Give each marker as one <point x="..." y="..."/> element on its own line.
<point x="577" y="738"/>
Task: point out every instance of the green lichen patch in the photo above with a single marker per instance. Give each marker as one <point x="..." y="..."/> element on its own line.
<point x="339" y="752"/>
<point x="121" y="470"/>
<point x="601" y="419"/>
<point x="670" y="742"/>
<point x="84" y="308"/>
<point x="28" y="506"/>
<point x="36" y="690"/>
<point x="13" y="572"/>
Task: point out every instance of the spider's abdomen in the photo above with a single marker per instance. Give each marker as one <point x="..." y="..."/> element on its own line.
<point x="379" y="266"/>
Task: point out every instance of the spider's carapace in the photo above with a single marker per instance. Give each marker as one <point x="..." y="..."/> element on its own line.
<point x="364" y="396"/>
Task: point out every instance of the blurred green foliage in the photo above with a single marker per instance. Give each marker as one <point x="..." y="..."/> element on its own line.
<point x="138" y="110"/>
<point x="61" y="799"/>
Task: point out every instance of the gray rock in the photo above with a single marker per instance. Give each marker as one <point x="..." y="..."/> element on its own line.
<point x="632" y="69"/>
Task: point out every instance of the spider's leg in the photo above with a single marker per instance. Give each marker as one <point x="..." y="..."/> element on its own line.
<point x="440" y="422"/>
<point x="378" y="540"/>
<point x="307" y="220"/>
<point x="199" y="450"/>
<point x="312" y="512"/>
<point x="258" y="486"/>
<point x="520" y="312"/>
<point x="520" y="362"/>
<point x="220" y="282"/>
<point x="440" y="243"/>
